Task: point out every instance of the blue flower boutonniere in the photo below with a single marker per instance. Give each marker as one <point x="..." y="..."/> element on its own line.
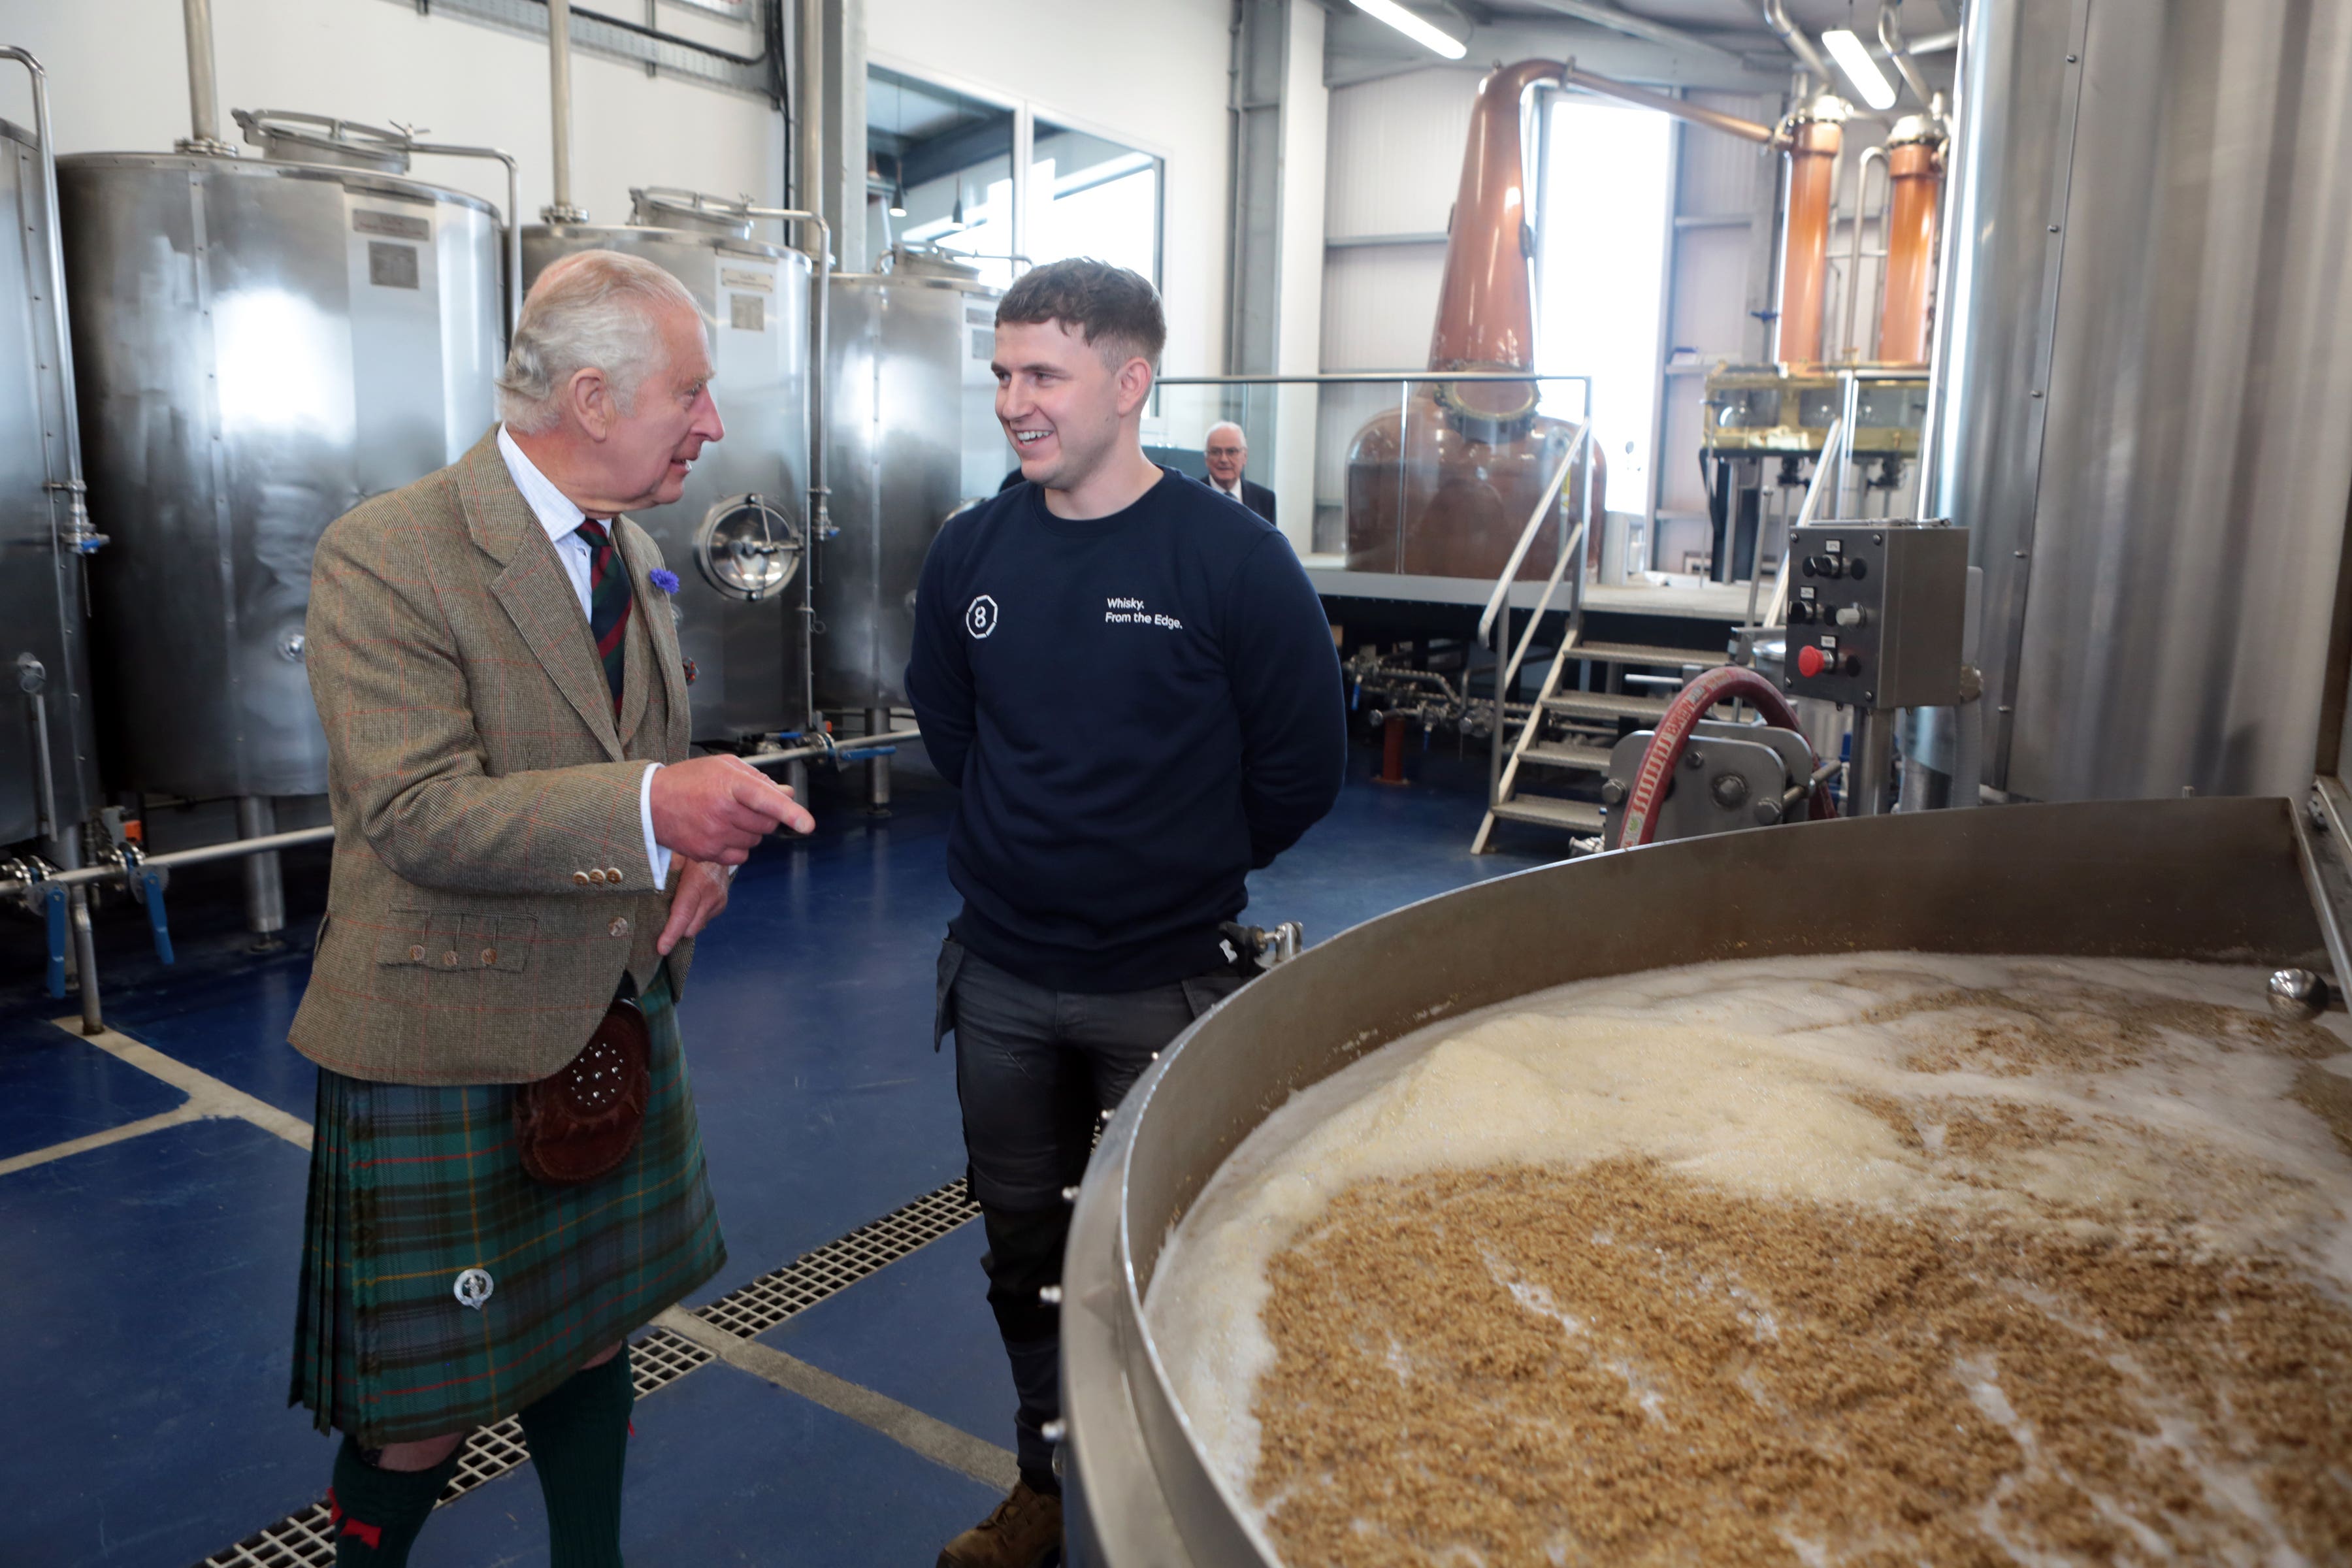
<point x="664" y="579"/>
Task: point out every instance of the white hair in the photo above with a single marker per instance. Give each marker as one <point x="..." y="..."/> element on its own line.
<point x="594" y="310"/>
<point x="1226" y="424"/>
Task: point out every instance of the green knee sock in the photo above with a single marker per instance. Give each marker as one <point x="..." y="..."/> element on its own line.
<point x="579" y="1438"/>
<point x="376" y="1513"/>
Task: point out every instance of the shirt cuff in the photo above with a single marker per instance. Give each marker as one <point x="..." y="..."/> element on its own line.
<point x="656" y="857"/>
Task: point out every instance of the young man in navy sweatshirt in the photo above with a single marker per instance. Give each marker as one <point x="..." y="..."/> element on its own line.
<point x="1132" y="683"/>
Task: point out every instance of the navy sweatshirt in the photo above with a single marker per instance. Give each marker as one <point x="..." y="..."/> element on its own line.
<point x="1139" y="709"/>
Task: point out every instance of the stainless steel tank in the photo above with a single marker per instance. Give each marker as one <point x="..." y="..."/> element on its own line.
<point x="2145" y="417"/>
<point x="2171" y="880"/>
<point x="48" y="782"/>
<point x="737" y="537"/>
<point x="262" y="345"/>
<point x="914" y="435"/>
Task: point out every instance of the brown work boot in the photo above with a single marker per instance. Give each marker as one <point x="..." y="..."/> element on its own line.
<point x="1023" y="1529"/>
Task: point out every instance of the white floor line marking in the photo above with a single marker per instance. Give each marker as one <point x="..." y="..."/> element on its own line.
<point x="927" y="1434"/>
<point x="16" y="1162"/>
<point x="208" y="1096"/>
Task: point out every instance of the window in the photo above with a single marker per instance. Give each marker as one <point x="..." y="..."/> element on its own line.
<point x="1092" y="197"/>
<point x="1607" y="188"/>
<point x="940" y="174"/>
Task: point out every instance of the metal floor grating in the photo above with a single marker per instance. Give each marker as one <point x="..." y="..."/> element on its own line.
<point x="657" y="1358"/>
<point x="812" y="1276"/>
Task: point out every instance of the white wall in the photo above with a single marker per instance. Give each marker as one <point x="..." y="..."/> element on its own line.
<point x="1150" y="75"/>
<point x="118" y="81"/>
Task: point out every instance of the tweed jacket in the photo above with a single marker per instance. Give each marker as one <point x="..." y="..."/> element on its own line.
<point x="490" y="885"/>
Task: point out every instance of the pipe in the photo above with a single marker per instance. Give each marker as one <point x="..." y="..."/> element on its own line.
<point x="1890" y="38"/>
<point x="514" y="218"/>
<point x="1940" y="341"/>
<point x="203" y="85"/>
<point x="1664" y="753"/>
<point x="804" y="754"/>
<point x="878" y="766"/>
<point x="78" y="535"/>
<point x="820" y="434"/>
<point x="1854" y="256"/>
<point x="1776" y="16"/>
<point x="558" y="104"/>
<point x="1714" y="120"/>
<point x="811" y="119"/>
<point x="264" y="879"/>
<point x="85" y="940"/>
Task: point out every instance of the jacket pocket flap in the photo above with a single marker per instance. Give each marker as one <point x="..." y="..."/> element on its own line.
<point x="455" y="941"/>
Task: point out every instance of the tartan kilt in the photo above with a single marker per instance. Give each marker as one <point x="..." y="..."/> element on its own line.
<point x="412" y="1186"/>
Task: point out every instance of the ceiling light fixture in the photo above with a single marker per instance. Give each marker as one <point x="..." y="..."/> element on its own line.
<point x="1846" y="48"/>
<point x="1414" y="27"/>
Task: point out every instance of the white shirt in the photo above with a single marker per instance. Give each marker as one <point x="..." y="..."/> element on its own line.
<point x="563" y="520"/>
<point x="1235" y="490"/>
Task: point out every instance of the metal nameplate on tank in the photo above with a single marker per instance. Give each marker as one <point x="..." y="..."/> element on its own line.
<point x="392" y="225"/>
<point x="392" y="266"/>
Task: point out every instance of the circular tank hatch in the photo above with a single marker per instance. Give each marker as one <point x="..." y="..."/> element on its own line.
<point x="747" y="548"/>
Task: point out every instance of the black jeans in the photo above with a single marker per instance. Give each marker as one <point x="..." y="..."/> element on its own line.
<point x="1035" y="1068"/>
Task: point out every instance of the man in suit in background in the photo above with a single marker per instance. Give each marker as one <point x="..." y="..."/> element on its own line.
<point x="523" y="853"/>
<point x="1228" y="451"/>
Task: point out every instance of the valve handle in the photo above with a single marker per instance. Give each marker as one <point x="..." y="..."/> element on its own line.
<point x="151" y="893"/>
<point x="56" y="899"/>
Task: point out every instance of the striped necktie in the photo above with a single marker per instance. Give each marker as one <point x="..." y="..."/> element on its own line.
<point x="608" y="604"/>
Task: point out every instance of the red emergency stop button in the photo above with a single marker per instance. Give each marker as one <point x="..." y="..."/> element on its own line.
<point x="1811" y="661"/>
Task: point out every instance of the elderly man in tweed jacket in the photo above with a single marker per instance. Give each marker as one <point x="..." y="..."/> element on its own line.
<point x="520" y="839"/>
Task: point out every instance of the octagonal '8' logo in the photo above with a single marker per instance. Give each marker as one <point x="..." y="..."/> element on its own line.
<point x="980" y="618"/>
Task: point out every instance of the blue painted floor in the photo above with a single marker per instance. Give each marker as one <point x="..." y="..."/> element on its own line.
<point x="148" y="1284"/>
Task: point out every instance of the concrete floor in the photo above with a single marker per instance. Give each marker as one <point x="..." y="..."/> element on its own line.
<point x="150" y="1281"/>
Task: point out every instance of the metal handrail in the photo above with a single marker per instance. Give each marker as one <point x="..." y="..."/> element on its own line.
<point x="1528" y="534"/>
<point x="1361" y="378"/>
<point x="302" y="838"/>
<point x="1833" y="443"/>
<point x="1507" y="671"/>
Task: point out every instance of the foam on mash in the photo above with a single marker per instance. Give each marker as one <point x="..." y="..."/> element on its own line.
<point x="1741" y="1074"/>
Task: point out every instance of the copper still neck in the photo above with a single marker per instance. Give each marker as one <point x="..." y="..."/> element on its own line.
<point x="1805" y="252"/>
<point x="1485" y="308"/>
<point x="1915" y="170"/>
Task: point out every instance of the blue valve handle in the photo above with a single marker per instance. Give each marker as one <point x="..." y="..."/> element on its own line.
<point x="151" y="893"/>
<point x="55" y="897"/>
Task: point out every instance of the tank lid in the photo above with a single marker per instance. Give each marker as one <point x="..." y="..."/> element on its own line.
<point x="287" y="136"/>
<point x="1826" y="109"/>
<point x="669" y="207"/>
<point x="930" y="261"/>
<point x="1914" y="129"/>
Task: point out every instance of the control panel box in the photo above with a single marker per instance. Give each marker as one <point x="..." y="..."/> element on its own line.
<point x="1875" y="612"/>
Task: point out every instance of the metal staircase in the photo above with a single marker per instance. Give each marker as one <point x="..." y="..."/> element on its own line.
<point x="1569" y="733"/>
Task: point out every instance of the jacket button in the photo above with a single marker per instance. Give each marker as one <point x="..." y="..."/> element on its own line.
<point x="621" y="926"/>
<point x="415" y="955"/>
<point x="579" y="878"/>
<point x="490" y="956"/>
<point x="612" y="873"/>
<point x="597" y="876"/>
<point x="449" y="959"/>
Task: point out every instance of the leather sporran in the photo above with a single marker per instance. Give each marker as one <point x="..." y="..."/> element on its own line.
<point x="579" y="1122"/>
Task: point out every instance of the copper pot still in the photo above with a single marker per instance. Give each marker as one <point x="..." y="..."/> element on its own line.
<point x="1444" y="485"/>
